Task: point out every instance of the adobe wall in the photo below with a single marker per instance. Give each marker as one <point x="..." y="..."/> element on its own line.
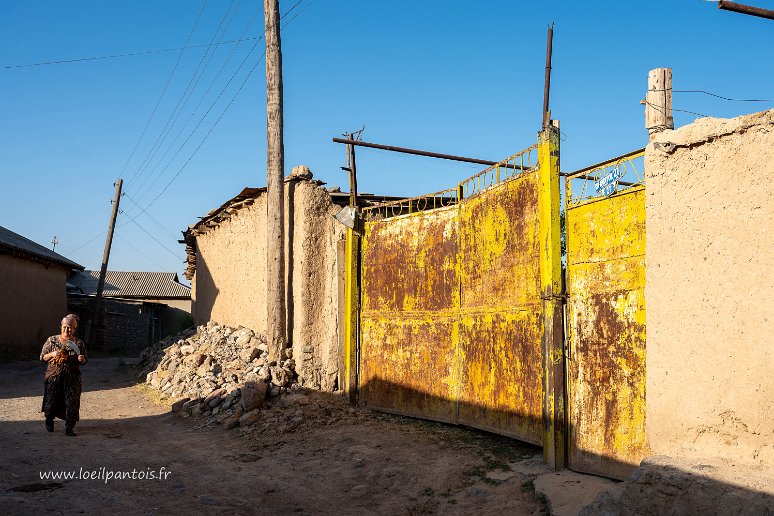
<point x="709" y="274"/>
<point x="32" y="305"/>
<point x="229" y="286"/>
<point x="180" y="304"/>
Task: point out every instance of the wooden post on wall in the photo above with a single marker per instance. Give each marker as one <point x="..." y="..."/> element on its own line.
<point x="658" y="101"/>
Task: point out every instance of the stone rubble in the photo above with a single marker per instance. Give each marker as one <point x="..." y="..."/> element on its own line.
<point x="223" y="375"/>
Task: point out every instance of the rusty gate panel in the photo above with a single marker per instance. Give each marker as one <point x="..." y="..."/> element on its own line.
<point x="500" y="327"/>
<point x="606" y="326"/>
<point x="408" y="353"/>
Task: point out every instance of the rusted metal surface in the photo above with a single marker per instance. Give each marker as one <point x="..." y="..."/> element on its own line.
<point x="409" y="312"/>
<point x="500" y="307"/>
<point x="606" y="324"/>
<point x="452" y="316"/>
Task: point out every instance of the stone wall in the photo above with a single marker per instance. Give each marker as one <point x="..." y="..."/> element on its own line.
<point x="32" y="304"/>
<point x="709" y="273"/>
<point x="229" y="285"/>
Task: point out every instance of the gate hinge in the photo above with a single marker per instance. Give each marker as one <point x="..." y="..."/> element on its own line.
<point x="557" y="297"/>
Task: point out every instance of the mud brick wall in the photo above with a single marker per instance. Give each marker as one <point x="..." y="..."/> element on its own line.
<point x="710" y="270"/>
<point x="32" y="305"/>
<point x="229" y="285"/>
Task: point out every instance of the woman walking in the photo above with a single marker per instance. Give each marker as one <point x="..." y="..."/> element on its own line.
<point x="65" y="355"/>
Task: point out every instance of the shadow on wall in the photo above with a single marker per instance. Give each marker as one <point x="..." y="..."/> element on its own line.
<point x="173" y="321"/>
<point x="654" y="488"/>
<point x="206" y="293"/>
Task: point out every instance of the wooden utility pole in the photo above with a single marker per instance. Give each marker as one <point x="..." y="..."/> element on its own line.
<point x="94" y="328"/>
<point x="658" y="101"/>
<point x="276" y="324"/>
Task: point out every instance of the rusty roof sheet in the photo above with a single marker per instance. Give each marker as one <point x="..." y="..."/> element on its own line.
<point x="14" y="242"/>
<point x="127" y="284"/>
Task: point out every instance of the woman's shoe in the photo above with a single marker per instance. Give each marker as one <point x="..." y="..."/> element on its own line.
<point x="70" y="433"/>
<point x="50" y="425"/>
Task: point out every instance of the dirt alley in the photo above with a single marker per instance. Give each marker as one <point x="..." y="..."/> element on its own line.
<point x="354" y="462"/>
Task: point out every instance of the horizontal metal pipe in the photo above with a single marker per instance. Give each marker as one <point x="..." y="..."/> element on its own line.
<point x="427" y="153"/>
<point x="746" y="9"/>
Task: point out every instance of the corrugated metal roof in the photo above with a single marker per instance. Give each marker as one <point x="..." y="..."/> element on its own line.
<point x="145" y="285"/>
<point x="15" y="242"/>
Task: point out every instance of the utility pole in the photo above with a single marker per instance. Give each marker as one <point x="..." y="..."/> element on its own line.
<point x="276" y="322"/>
<point x="54" y="242"/>
<point x="547" y="83"/>
<point x="746" y="9"/>
<point x="658" y="101"/>
<point x="105" y="256"/>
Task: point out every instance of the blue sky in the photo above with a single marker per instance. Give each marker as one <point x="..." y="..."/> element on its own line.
<point x="457" y="77"/>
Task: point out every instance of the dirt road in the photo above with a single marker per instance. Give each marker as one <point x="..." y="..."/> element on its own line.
<point x="354" y="462"/>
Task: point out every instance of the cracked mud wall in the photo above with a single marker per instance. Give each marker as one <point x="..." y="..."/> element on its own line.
<point x="709" y="276"/>
<point x="229" y="286"/>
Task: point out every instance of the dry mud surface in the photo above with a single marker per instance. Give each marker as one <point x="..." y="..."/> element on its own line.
<point x="344" y="462"/>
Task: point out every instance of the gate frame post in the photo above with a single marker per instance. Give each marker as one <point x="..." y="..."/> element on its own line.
<point x="554" y="395"/>
<point x="351" y="324"/>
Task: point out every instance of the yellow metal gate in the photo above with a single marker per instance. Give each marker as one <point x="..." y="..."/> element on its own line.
<point x="409" y="340"/>
<point x="453" y="299"/>
<point x="606" y="318"/>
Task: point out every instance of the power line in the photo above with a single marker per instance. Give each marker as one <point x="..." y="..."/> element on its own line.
<point x="203" y="140"/>
<point x="143" y="254"/>
<point x="204" y="117"/>
<point x="186" y="95"/>
<point x="241" y="65"/>
<point x="201" y="99"/>
<point x="722" y="97"/>
<point x="715" y="95"/>
<point x="163" y="92"/>
<point x="249" y="74"/>
<point x="151" y="217"/>
<point x="155" y="239"/>
<point x="661" y="110"/>
<point x="87" y="242"/>
<point x="129" y="54"/>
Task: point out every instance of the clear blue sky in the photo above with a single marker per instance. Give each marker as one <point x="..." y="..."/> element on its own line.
<point x="458" y="77"/>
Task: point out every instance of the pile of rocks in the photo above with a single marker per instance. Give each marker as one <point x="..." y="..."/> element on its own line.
<point x="221" y="373"/>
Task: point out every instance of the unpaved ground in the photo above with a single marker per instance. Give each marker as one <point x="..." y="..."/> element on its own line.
<point x="348" y="463"/>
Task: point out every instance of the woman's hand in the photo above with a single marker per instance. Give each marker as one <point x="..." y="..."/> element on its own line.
<point x="53" y="354"/>
<point x="82" y="359"/>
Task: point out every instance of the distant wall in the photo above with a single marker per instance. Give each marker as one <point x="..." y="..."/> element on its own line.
<point x="229" y="286"/>
<point x="128" y="326"/>
<point x="709" y="278"/>
<point x="180" y="304"/>
<point x="32" y="304"/>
